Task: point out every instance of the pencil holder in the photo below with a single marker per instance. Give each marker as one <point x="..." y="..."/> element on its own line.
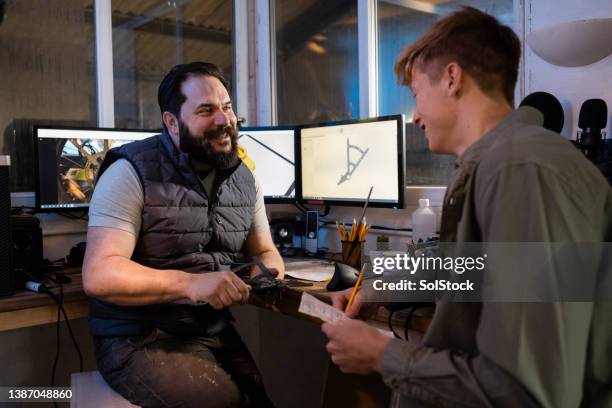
<point x="352" y="253"/>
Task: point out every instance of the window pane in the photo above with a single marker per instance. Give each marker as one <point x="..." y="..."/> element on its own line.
<point x="317" y="70"/>
<point x="47" y="75"/>
<point x="150" y="37"/>
<point x="399" y="26"/>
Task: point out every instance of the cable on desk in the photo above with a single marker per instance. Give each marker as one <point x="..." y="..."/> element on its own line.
<point x="406" y="324"/>
<point x="60" y="306"/>
<point x="408" y="319"/>
<point x="60" y="309"/>
<point x="57" y="341"/>
<point x="389" y="322"/>
<point x="57" y="350"/>
<point x="301" y="207"/>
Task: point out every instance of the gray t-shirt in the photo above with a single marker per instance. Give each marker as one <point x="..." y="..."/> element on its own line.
<point x="118" y="200"/>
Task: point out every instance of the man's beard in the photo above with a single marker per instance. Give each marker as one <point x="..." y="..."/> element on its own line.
<point x="199" y="148"/>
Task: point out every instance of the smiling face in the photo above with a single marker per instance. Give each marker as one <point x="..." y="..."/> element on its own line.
<point x="435" y="110"/>
<point x="206" y="127"/>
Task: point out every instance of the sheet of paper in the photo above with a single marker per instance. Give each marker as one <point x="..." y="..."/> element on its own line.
<point x="312" y="306"/>
<point x="315" y="271"/>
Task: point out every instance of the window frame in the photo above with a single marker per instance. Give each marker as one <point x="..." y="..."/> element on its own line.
<point x="254" y="42"/>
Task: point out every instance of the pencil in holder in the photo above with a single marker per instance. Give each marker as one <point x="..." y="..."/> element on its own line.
<point x="352" y="253"/>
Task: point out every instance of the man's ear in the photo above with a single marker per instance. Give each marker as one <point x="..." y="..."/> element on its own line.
<point x="171" y="123"/>
<point x="454" y="78"/>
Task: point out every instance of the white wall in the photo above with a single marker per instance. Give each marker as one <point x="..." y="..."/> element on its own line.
<point x="572" y="86"/>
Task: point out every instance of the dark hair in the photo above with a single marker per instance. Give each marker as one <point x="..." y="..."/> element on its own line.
<point x="169" y="95"/>
<point x="487" y="50"/>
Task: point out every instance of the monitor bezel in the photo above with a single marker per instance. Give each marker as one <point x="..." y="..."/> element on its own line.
<point x="35" y="128"/>
<point x="270" y="199"/>
<point x="355" y="203"/>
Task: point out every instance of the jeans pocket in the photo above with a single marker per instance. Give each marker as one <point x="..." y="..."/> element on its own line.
<point x="112" y="353"/>
<point x="139" y="342"/>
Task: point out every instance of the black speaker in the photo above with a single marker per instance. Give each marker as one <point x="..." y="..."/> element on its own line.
<point x="282" y="233"/>
<point x="311" y="241"/>
<point x="27" y="244"/>
<point x="7" y="276"/>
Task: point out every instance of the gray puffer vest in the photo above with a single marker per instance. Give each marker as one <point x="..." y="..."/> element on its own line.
<point x="182" y="228"/>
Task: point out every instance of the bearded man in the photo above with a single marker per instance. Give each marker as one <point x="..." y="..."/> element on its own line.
<point x="169" y="216"/>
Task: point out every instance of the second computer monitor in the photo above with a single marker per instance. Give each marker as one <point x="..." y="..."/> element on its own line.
<point x="68" y="160"/>
<point x="271" y="149"/>
<point x="338" y="162"/>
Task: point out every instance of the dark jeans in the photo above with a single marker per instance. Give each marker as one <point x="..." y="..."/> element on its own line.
<point x="160" y="370"/>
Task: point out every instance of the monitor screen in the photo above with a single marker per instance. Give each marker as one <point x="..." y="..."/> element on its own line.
<point x="271" y="149"/>
<point x="338" y="162"/>
<point x="68" y="160"/>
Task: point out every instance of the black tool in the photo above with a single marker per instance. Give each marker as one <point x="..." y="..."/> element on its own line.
<point x="264" y="284"/>
<point x="344" y="277"/>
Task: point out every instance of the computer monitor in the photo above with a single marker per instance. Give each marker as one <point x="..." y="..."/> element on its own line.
<point x="272" y="150"/>
<point x="67" y="163"/>
<point x="337" y="162"/>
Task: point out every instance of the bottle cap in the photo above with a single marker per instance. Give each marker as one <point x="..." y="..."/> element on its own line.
<point x="423" y="202"/>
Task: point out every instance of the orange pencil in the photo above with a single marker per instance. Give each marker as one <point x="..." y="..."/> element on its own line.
<point x="341" y="231"/>
<point x="362" y="232"/>
<point x="354" y="292"/>
<point x="354" y="230"/>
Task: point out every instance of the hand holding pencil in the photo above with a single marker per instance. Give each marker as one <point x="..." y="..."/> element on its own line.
<point x="355" y="289"/>
<point x="358" y="308"/>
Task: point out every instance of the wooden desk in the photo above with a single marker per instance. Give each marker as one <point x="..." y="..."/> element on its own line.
<point x="25" y="308"/>
<point x="358" y="391"/>
<point x="291" y="300"/>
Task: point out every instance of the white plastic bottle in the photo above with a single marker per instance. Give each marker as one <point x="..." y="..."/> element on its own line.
<point x="423" y="221"/>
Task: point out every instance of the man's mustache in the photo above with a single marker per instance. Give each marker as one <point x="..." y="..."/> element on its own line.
<point x="228" y="130"/>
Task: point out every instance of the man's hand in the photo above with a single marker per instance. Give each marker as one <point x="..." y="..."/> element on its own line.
<point x="354" y="346"/>
<point x="218" y="289"/>
<point x="359" y="308"/>
<point x="261" y="245"/>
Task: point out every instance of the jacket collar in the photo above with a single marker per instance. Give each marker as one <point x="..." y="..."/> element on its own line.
<point x="522" y="115"/>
